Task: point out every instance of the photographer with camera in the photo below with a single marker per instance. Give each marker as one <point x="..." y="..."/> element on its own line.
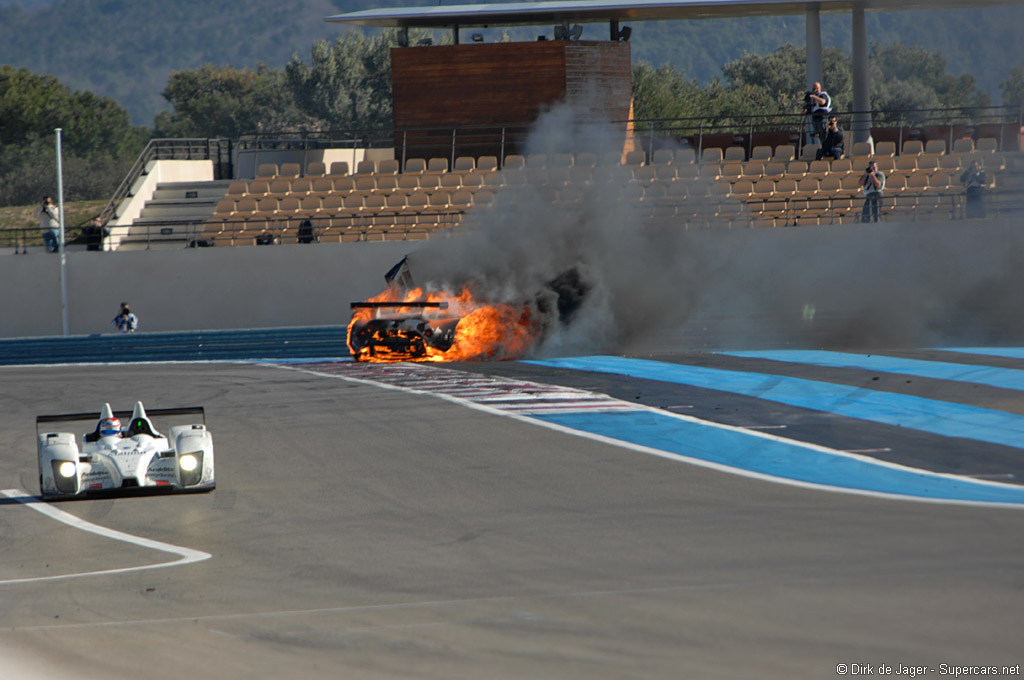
<point x="975" y="180"/>
<point x="49" y="223"/>
<point x="872" y="184"/>
<point x="833" y="144"/>
<point x="817" y="105"/>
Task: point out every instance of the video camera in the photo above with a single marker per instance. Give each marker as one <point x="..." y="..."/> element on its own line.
<point x="808" y="105"/>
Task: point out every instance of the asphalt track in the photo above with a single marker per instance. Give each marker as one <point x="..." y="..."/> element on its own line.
<point x="376" y="524"/>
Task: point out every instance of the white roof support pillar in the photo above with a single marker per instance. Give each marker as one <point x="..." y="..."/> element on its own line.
<point x="815" y="67"/>
<point x="861" y="84"/>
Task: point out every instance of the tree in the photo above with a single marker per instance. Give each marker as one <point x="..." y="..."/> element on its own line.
<point x="98" y="140"/>
<point x="1012" y="87"/>
<point x="347" y="85"/>
<point x="782" y="76"/>
<point x="908" y="77"/>
<point x="221" y="101"/>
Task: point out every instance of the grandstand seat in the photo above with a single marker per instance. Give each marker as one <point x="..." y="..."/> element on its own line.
<point x="731" y="172"/>
<point x="951" y="161"/>
<point x="279" y="188"/>
<point x="537" y="160"/>
<point x="439" y="201"/>
<point x="850" y="184"/>
<point x="662" y="157"/>
<point x="916" y="184"/>
<point x="266" y="171"/>
<point x="429" y="183"/>
<point x="365" y="167"/>
<point x="885" y="149"/>
<point x="774" y="170"/>
<point x="344" y="184"/>
<point x="415" y="166"/>
<point x="912" y="147"/>
<point x="763" y="189"/>
<point x="735" y="154"/>
<point x="830" y="185"/>
<point x="437" y="166"/>
<point x="611" y="158"/>
<point x="247" y="205"/>
<point x="339" y="169"/>
<point x="818" y="169"/>
<point x="796" y="170"/>
<point x="809" y="152"/>
<point x="494" y="180"/>
<point x="451" y="181"/>
<point x="237" y="190"/>
<point x="886" y="164"/>
<point x="258" y="187"/>
<point x="464" y="165"/>
<point x="472" y="181"/>
<point x="841" y="167"/>
<point x="315" y="169"/>
<point x="561" y="160"/>
<point x="895" y="184"/>
<point x="483" y="198"/>
<point x="711" y="155"/>
<point x="935" y="147"/>
<point x="962" y="146"/>
<point x="225" y="206"/>
<point x="364" y="184"/>
<point x="461" y="200"/>
<point x="486" y="164"/>
<point x="386" y="184"/>
<point x="761" y="153"/>
<point x="687" y="170"/>
<point x="635" y="158"/>
<point x="301" y="186"/>
<point x="309" y="206"/>
<point x="861" y="150"/>
<point x="290" y="170"/>
<point x="784" y="153"/>
<point x="987" y="145"/>
<point x="387" y="166"/>
<point x="514" y="162"/>
<point x="906" y="164"/>
<point x="644" y="174"/>
<point x="807" y="187"/>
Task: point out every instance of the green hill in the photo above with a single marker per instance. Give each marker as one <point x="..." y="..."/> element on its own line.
<point x="126" y="49"/>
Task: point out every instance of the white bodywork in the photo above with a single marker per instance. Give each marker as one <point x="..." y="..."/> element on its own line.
<point x="137" y="457"/>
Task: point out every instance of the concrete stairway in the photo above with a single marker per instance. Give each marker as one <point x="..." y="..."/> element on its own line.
<point x="175" y="215"/>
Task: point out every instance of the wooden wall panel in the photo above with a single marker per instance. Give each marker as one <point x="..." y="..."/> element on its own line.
<point x="501" y="84"/>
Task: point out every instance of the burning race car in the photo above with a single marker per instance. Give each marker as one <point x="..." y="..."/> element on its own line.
<point x="112" y="458"/>
<point x="409" y="324"/>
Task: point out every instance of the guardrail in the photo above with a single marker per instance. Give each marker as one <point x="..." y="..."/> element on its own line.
<point x="216" y="345"/>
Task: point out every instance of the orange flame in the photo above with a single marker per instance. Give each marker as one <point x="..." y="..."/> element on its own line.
<point x="485" y="331"/>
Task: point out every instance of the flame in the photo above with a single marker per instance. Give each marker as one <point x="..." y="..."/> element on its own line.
<point x="485" y="331"/>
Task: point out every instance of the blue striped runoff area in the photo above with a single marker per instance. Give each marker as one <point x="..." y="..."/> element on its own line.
<point x="786" y="459"/>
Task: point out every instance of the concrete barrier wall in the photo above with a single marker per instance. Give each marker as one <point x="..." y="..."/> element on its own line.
<point x="194" y="289"/>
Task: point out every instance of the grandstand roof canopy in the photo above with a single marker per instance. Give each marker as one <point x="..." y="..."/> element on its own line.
<point x="560" y="11"/>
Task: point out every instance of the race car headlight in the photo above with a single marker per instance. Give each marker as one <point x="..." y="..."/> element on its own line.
<point x="190" y="467"/>
<point x="65" y="476"/>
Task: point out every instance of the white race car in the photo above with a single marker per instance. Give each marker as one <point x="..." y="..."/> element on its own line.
<point x="112" y="458"/>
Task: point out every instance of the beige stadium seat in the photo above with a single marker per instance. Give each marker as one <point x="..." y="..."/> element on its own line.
<point x="258" y="187"/>
<point x="662" y="157"/>
<point x="775" y="170"/>
<point x="237" y="189"/>
<point x="279" y="188"/>
<point x="472" y="181"/>
<point x="585" y="159"/>
<point x="266" y="171"/>
<point x="809" y="152"/>
<point x="885" y="149"/>
<point x="301" y="186"/>
<point x="343" y="185"/>
<point x="731" y="172"/>
<point x="796" y="170"/>
<point x="818" y="169"/>
<point x="537" y="160"/>
<point x="912" y="147"/>
<point x="429" y="183"/>
<point x="408" y="183"/>
<point x="561" y="160"/>
<point x="365" y="167"/>
<point x="464" y="165"/>
<point x="225" y="206"/>
<point x="841" y="167"/>
<point x="784" y="153"/>
<point x="963" y="145"/>
<point x="861" y="150"/>
<point x="711" y="155"/>
<point x="987" y="145"/>
<point x="761" y="152"/>
<point x="386" y="184"/>
<point x="461" y="200"/>
<point x="935" y="147"/>
<point x="387" y="166"/>
<point x="734" y="154"/>
<point x="486" y="164"/>
<point x="437" y="166"/>
<point x="415" y="166"/>
<point x="906" y="165"/>
<point x="290" y="170"/>
<point x="315" y="169"/>
<point x="635" y="158"/>
<point x="807" y="187"/>
<point x="514" y="162"/>
<point x="451" y="181"/>
<point x="339" y="169"/>
<point x="830" y="185"/>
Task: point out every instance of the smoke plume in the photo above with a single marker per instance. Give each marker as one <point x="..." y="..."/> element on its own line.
<point x="672" y="286"/>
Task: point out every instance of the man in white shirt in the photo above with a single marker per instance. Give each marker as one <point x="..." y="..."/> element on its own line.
<point x="49" y="223"/>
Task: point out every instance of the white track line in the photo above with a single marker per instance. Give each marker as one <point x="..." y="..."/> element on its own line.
<point x="187" y="555"/>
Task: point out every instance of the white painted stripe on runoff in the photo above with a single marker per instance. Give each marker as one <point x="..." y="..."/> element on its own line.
<point x="186" y="555"/>
<point x="686" y="459"/>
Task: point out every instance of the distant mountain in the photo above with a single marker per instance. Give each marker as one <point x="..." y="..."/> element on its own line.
<point x="126" y="49"/>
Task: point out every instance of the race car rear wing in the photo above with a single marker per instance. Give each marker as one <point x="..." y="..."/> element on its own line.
<point x="94" y="415"/>
<point x="380" y="305"/>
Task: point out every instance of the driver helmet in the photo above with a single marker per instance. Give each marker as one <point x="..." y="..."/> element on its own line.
<point x="110" y="427"/>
